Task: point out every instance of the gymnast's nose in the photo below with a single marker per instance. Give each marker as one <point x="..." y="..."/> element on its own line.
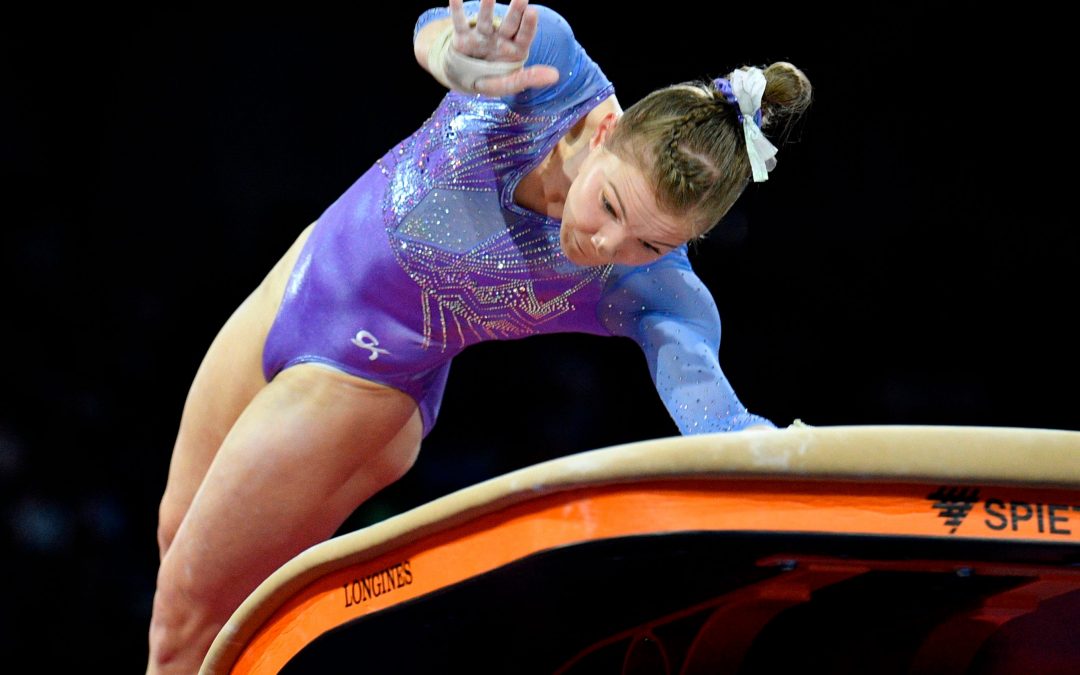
<point x="607" y="243"/>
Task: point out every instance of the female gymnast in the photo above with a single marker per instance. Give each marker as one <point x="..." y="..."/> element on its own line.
<point x="529" y="202"/>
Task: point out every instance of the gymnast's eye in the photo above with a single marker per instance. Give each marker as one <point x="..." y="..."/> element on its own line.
<point x="650" y="247"/>
<point x="607" y="206"/>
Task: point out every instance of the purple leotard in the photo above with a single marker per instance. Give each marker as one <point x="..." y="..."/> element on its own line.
<point x="427" y="253"/>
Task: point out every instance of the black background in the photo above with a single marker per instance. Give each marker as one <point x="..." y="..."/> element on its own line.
<point x="912" y="259"/>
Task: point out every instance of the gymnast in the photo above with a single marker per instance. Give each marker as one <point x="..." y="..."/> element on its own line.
<point x="529" y="202"/>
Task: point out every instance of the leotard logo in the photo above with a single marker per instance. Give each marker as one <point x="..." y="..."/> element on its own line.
<point x="366" y="340"/>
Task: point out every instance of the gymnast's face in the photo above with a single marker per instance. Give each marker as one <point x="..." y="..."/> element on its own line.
<point x="610" y="214"/>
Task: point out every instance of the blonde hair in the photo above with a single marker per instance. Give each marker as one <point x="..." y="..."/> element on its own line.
<point x="688" y="142"/>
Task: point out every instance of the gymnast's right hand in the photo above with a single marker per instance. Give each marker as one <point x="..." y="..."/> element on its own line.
<point x="494" y="52"/>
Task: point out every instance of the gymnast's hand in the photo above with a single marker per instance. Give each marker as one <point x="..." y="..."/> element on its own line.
<point x="508" y="41"/>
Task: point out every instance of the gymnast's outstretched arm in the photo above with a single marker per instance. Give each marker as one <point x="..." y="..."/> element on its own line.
<point x="671" y="314"/>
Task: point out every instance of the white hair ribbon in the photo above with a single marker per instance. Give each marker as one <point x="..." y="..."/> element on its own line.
<point x="748" y="86"/>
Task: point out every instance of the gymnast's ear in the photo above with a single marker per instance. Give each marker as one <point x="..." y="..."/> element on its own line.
<point x="604" y="128"/>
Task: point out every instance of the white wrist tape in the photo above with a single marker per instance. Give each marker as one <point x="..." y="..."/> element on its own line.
<point x="459" y="72"/>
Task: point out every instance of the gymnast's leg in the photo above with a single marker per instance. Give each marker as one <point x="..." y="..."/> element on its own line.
<point x="310" y="447"/>
<point x="227" y="379"/>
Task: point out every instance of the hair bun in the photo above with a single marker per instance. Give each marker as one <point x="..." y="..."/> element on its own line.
<point x="787" y="93"/>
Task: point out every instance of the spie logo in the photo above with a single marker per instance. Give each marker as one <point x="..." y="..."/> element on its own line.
<point x="1021" y="515"/>
<point x="954" y="504"/>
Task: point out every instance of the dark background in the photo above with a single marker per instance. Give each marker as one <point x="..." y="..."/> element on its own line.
<point x="912" y="259"/>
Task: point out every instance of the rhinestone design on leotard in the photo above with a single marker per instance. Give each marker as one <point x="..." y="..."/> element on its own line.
<point x="486" y="268"/>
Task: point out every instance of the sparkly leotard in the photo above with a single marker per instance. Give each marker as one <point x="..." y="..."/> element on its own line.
<point x="427" y="253"/>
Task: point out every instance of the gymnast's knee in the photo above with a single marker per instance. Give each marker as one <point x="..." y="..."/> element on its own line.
<point x="184" y="614"/>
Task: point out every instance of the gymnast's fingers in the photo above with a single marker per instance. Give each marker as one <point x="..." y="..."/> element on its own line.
<point x="511" y="22"/>
<point x="457" y="12"/>
<point x="527" y="31"/>
<point x="485" y="20"/>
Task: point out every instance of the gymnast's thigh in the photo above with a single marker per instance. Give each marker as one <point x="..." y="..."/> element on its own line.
<point x="309" y="448"/>
<point x="227" y="379"/>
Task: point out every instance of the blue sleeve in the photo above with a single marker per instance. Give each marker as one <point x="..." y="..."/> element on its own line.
<point x="553" y="45"/>
<point x="671" y="314"/>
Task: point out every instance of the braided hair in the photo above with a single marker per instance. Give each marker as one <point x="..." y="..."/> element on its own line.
<point x="687" y="140"/>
